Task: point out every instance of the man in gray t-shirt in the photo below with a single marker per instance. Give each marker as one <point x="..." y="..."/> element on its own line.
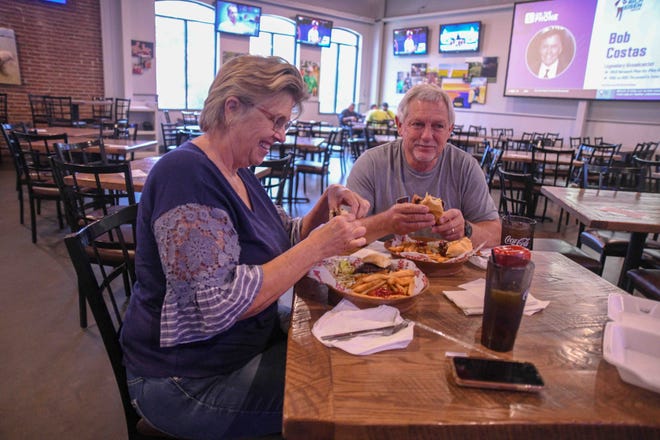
<point x="421" y="162"/>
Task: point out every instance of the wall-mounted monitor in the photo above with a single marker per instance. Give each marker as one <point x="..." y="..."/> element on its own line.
<point x="460" y="37"/>
<point x="591" y="49"/>
<point x="313" y="31"/>
<point x="411" y="41"/>
<point x="237" y="18"/>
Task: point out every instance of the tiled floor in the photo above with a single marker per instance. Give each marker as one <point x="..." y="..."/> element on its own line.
<point x="57" y="382"/>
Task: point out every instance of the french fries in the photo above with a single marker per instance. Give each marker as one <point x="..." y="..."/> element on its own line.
<point x="420" y="247"/>
<point x="400" y="282"/>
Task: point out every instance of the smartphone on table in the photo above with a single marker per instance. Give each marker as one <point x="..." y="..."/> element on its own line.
<point x="496" y="374"/>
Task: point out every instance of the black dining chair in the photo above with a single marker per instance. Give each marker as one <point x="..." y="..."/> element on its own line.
<point x="319" y="168"/>
<point x="649" y="173"/>
<point x="281" y="173"/>
<point x="103" y="288"/>
<point x="31" y="154"/>
<point x="597" y="175"/>
<point x="39" y="110"/>
<point x="84" y="205"/>
<point x="4" y="115"/>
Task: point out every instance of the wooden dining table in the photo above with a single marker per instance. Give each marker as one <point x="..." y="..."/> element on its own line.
<point x="140" y="168"/>
<point x="634" y="212"/>
<point x="523" y="156"/>
<point x="122" y="147"/>
<point x="409" y="393"/>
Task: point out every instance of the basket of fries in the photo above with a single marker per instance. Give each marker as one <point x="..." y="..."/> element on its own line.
<point x="431" y="255"/>
<point x="399" y="285"/>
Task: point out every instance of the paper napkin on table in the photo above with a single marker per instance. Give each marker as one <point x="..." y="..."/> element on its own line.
<point x="471" y="300"/>
<point x="347" y="317"/>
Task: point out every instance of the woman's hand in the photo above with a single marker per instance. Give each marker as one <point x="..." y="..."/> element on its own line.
<point x="452" y="225"/>
<point x="339" y="195"/>
<point x="341" y="234"/>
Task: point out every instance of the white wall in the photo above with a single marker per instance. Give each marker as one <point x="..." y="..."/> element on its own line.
<point x="618" y="122"/>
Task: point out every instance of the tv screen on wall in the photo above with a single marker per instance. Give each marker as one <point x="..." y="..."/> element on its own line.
<point x="411" y="41"/>
<point x="313" y="31"/>
<point x="237" y="18"/>
<point x="460" y="37"/>
<point x="591" y="49"/>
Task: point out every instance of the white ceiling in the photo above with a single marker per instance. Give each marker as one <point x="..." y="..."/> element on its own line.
<point x="394" y="8"/>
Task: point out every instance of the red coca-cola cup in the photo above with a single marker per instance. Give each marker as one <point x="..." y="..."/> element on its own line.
<point x="518" y="230"/>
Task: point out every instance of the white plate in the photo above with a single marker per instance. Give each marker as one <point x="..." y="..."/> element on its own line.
<point x="635" y="353"/>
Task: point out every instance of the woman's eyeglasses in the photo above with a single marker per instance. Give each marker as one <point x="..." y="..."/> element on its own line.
<point x="279" y="122"/>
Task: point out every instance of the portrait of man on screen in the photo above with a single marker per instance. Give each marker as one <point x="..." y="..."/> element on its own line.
<point x="550" y="52"/>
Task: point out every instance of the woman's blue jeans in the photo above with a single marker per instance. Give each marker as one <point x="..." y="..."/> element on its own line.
<point x="246" y="402"/>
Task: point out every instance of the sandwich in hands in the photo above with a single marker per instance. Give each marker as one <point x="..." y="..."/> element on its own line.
<point x="435" y="205"/>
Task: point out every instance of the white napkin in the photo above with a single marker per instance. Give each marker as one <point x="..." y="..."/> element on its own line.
<point x="347" y="317"/>
<point x="471" y="300"/>
<point x="480" y="260"/>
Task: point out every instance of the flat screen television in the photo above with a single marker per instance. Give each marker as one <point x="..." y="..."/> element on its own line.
<point x="460" y="37"/>
<point x="237" y="18"/>
<point x="313" y="31"/>
<point x="411" y="41"/>
<point x="591" y="49"/>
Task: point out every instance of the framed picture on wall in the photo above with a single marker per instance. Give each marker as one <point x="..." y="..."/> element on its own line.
<point x="9" y="71"/>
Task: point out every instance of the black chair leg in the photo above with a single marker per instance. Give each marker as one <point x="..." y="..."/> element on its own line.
<point x="33" y="220"/>
<point x="82" y="309"/>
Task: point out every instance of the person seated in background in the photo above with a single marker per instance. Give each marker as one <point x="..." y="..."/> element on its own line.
<point x="381" y="115"/>
<point x="348" y="116"/>
<point x="422" y="161"/>
<point x="203" y="347"/>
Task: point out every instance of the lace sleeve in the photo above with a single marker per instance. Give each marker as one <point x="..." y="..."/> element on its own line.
<point x="291" y="225"/>
<point x="206" y="289"/>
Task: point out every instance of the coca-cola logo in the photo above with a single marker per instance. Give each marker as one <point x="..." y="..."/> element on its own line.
<point x="523" y="241"/>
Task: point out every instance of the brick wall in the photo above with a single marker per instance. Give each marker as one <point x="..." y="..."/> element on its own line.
<point x="59" y="51"/>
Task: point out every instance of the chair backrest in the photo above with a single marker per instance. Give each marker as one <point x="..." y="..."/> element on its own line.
<point x="122" y="110"/>
<point x="552" y="166"/>
<point x="612" y="177"/>
<point x="86" y="203"/>
<point x="190" y="118"/>
<point x="33" y="155"/>
<point x="166" y="115"/>
<point x="170" y="135"/>
<point x="39" y="109"/>
<point x="15" y="153"/>
<point x="517" y="195"/>
<point x="281" y="171"/>
<point x="644" y="150"/>
<point x="4" y="116"/>
<point x="102" y="111"/>
<point x="492" y="165"/>
<point x="649" y="173"/>
<point x="102" y="286"/>
<point x="596" y="156"/>
<point x="575" y="142"/>
<point x="496" y="132"/>
<point x="60" y="111"/>
<point x="79" y="152"/>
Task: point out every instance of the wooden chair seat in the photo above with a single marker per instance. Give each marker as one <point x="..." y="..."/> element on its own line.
<point x="646" y="281"/>
<point x="606" y="243"/>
